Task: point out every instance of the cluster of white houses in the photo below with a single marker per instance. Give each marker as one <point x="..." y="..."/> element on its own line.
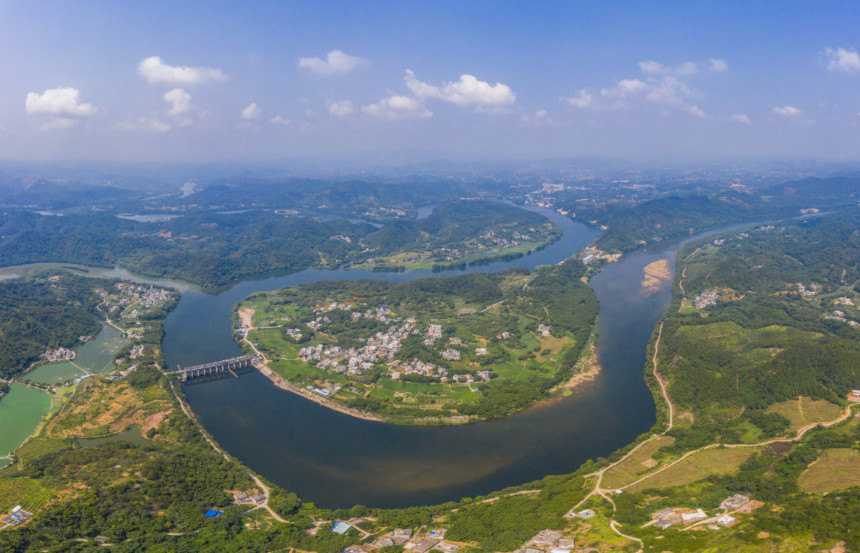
<point x="382" y="347"/>
<point x="148" y="297"/>
<point x="59" y="354"/>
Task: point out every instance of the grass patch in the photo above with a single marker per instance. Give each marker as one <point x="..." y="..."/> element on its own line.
<point x="836" y="469"/>
<point x="700" y="465"/>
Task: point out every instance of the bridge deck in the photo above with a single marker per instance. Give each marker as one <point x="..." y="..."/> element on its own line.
<point x="216" y="367"/>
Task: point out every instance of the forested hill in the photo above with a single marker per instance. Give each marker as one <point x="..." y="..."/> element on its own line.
<point x="36" y="314"/>
<point x="768" y="315"/>
<point x="671" y="216"/>
<point x="212" y="249"/>
<point x="452" y="223"/>
<point x="365" y="200"/>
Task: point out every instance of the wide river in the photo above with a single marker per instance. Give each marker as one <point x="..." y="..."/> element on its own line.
<point x="338" y="461"/>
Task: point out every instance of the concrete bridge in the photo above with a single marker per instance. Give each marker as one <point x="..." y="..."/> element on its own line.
<point x="218" y="367"/>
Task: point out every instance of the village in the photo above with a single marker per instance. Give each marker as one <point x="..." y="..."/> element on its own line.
<point x="432" y="537"/>
<point x="382" y="347"/>
<point x="132" y="300"/>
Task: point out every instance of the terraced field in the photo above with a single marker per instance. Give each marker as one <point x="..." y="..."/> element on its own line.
<point x="24" y="492"/>
<point x="836" y="469"/>
<point x="696" y="467"/>
<point x="636" y="465"/>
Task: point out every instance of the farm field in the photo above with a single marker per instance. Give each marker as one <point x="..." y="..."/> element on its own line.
<point x="836" y="469"/>
<point x="634" y="466"/>
<point x="53" y="373"/>
<point x="97" y="354"/>
<point x="20" y="412"/>
<point x="24" y="492"/>
<point x="804" y="410"/>
<point x="696" y="467"/>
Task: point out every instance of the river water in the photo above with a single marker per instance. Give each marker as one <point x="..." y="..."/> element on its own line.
<point x="338" y="461"/>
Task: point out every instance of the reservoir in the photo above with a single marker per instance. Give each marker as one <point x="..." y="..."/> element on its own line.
<point x="338" y="461"/>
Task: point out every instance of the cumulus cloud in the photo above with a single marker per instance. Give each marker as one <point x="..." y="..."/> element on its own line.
<point x="180" y="102"/>
<point x="741" y="118"/>
<point x="786" y="111"/>
<point x="467" y="91"/>
<point x="253" y="111"/>
<point x="155" y="71"/>
<point x="581" y="100"/>
<point x="344" y="107"/>
<point x="278" y="120"/>
<point x="843" y="59"/>
<point x="58" y="101"/>
<point x="335" y="62"/>
<point x="398" y="107"/>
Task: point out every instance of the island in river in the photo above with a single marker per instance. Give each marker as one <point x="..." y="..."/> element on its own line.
<point x="429" y="351"/>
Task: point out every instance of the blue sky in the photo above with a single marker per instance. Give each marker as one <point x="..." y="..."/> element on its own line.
<point x="172" y="81"/>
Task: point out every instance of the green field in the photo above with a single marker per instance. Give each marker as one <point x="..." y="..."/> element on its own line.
<point x="803" y="411"/>
<point x="696" y="467"/>
<point x="24" y="492"/>
<point x="636" y="465"/>
<point x="97" y="355"/>
<point x="53" y="373"/>
<point x="836" y="469"/>
<point x="21" y="409"/>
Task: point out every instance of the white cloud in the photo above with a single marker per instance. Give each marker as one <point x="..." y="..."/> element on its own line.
<point x="334" y="62"/>
<point x="59" y="123"/>
<point x="278" y="120"/>
<point x="696" y="111"/>
<point x="654" y="68"/>
<point x="787" y="111"/>
<point x="741" y="118"/>
<point x="717" y="66"/>
<point x="58" y="101"/>
<point x="688" y="68"/>
<point x="624" y="88"/>
<point x="581" y="100"/>
<point x="541" y="118"/>
<point x="398" y="107"/>
<point x="156" y="71"/>
<point x="253" y="111"/>
<point x="668" y="90"/>
<point x="467" y="91"/>
<point x="180" y="102"/>
<point x="842" y="59"/>
<point x="344" y="107"/>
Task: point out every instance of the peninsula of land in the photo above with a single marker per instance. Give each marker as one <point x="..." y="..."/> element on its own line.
<point x="432" y="351"/>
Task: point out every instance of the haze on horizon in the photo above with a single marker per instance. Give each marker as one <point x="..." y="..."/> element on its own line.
<point x="253" y="82"/>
